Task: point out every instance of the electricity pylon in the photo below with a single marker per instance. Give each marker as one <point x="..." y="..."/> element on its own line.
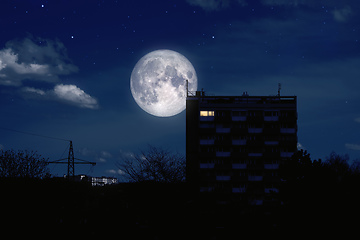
<point x="71" y="162"/>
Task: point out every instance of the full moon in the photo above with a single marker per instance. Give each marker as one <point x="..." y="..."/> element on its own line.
<point x="158" y="82"/>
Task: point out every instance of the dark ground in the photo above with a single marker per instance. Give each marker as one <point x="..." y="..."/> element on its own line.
<point x="58" y="208"/>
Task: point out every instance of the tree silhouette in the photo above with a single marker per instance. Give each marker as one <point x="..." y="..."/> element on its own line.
<point x="24" y="164"/>
<point x="155" y="164"/>
<point x="355" y="167"/>
<point x="338" y="164"/>
<point x="325" y="193"/>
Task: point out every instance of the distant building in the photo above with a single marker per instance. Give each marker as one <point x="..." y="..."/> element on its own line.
<point x="95" y="181"/>
<point x="235" y="144"/>
<point x="101" y="181"/>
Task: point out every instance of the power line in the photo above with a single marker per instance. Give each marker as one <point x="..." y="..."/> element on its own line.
<point x="34" y="134"/>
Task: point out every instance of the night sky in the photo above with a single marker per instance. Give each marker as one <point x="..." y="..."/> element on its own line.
<point x="65" y="70"/>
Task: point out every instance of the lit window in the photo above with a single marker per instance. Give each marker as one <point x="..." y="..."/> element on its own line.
<point x="203" y="113"/>
<point x="207" y="113"/>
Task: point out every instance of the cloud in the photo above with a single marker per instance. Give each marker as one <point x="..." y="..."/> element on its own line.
<point x="353" y="146"/>
<point x="34" y="91"/>
<point x="33" y="59"/>
<point x="211" y="5"/>
<point x="115" y="171"/>
<point x="106" y="154"/>
<point x="103" y="156"/>
<point x="343" y="14"/>
<point x="126" y="155"/>
<point x="69" y="94"/>
<point x="42" y="60"/>
<point x="300" y="146"/>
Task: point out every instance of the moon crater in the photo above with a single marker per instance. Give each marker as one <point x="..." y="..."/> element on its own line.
<point x="158" y="82"/>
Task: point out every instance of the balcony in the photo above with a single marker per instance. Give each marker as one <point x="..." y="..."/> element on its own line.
<point x="238" y="118"/>
<point x="207" y="118"/>
<point x="238" y="190"/>
<point x="223" y="178"/>
<point x="256" y="202"/>
<point x="271" y="166"/>
<point x="255" y="154"/>
<point x="271" y="143"/>
<point x="206" y="189"/>
<point x="238" y="166"/>
<point x="271" y="190"/>
<point x="207" y="125"/>
<point x="222" y="130"/>
<point x="271" y="118"/>
<point x="286" y="154"/>
<point x="238" y="142"/>
<point x="207" y="141"/>
<point x="223" y="154"/>
<point x="255" y="130"/>
<point x="287" y="130"/>
<point x="207" y="165"/>
<point x="255" y="178"/>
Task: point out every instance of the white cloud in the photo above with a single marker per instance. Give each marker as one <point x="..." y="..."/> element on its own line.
<point x="103" y="156"/>
<point x="126" y="154"/>
<point x="69" y="94"/>
<point x="73" y="95"/>
<point x="34" y="91"/>
<point x="106" y="154"/>
<point x="41" y="60"/>
<point x="352" y="146"/>
<point x="113" y="171"/>
<point x="44" y="60"/>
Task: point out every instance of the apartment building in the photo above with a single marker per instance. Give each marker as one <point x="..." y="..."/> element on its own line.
<point x="235" y="145"/>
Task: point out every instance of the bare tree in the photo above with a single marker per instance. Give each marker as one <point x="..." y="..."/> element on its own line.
<point x="338" y="164"/>
<point x="22" y="164"/>
<point x="154" y="164"/>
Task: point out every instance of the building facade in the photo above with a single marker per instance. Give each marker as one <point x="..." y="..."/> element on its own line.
<point x="235" y="145"/>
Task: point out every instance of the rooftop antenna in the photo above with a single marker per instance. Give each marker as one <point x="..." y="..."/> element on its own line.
<point x="279" y="88"/>
<point x="187" y="88"/>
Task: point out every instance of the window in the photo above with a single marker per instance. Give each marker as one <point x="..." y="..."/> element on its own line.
<point x="207" y="113"/>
